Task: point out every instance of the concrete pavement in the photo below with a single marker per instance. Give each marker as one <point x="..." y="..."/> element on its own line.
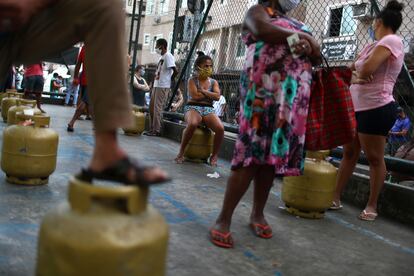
<point x="339" y="244"/>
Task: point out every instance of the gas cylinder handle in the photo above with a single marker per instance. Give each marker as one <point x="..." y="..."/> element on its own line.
<point x="41" y="121"/>
<point x="21" y="117"/>
<point x="11" y="94"/>
<point x="127" y="199"/>
<point x="27" y="102"/>
<point x="317" y="155"/>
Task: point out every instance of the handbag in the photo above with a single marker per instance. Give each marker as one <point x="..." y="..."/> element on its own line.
<point x="331" y="118"/>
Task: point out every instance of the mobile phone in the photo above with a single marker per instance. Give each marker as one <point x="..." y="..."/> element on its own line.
<point x="292" y="40"/>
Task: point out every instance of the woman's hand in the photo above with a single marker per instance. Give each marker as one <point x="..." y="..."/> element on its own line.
<point x="303" y="47"/>
<point x="310" y="47"/>
<point x="357" y="79"/>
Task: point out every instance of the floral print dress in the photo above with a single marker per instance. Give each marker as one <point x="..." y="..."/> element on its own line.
<point x="274" y="86"/>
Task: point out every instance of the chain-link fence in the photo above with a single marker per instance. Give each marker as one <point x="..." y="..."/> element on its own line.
<point x="340" y="26"/>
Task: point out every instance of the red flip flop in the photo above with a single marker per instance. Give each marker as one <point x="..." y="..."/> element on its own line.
<point x="263" y="228"/>
<point x="227" y="236"/>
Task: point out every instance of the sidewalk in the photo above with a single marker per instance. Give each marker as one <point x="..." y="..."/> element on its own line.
<point x="339" y="244"/>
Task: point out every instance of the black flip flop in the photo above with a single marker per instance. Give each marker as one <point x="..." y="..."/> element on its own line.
<point x="118" y="173"/>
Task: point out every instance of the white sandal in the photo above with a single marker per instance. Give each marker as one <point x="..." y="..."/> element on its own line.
<point x="336" y="206"/>
<point x="368" y="216"/>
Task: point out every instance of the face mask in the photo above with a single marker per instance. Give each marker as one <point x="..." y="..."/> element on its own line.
<point x="205" y="73"/>
<point x="288" y="5"/>
<point x="371" y="33"/>
<point x="142" y="72"/>
<point x="158" y="51"/>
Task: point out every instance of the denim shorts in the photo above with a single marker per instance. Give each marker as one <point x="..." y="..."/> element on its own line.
<point x="202" y="110"/>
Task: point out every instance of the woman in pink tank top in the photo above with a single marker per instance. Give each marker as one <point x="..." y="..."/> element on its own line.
<point x="375" y="72"/>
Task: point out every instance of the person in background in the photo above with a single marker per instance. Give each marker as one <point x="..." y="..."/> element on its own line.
<point x="34" y="82"/>
<point x="73" y="90"/>
<point x="220" y="107"/>
<point x="55" y="85"/>
<point x="166" y="71"/>
<point x="376" y="70"/>
<point x="140" y="86"/>
<point x="398" y="135"/>
<point x="177" y="101"/>
<point x="274" y="92"/>
<point x="19" y="79"/>
<point x="81" y="80"/>
<point x="202" y="91"/>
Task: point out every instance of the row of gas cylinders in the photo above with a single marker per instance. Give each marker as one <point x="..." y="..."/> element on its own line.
<point x="101" y="230"/>
<point x="29" y="150"/>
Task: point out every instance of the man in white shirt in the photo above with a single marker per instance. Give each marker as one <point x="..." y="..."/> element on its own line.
<point x="166" y="70"/>
<point x="220" y="107"/>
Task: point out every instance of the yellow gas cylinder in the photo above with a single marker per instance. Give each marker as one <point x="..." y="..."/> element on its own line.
<point x="311" y="194"/>
<point x="20" y="106"/>
<point x="2" y="96"/>
<point x="138" y="126"/>
<point x="8" y="101"/>
<point x="200" y="146"/>
<point x="104" y="231"/>
<point x="29" y="150"/>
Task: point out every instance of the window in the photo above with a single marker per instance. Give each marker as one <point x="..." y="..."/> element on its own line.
<point x="341" y="22"/>
<point x="154" y="42"/>
<point x="130" y="2"/>
<point x="241" y="48"/>
<point x="183" y="4"/>
<point x="207" y="46"/>
<point x="149" y="10"/>
<point x="163" y="6"/>
<point x="147" y="39"/>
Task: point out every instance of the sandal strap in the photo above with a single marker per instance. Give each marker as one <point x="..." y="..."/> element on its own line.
<point x="119" y="173"/>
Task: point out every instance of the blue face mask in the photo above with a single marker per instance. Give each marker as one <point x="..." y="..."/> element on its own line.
<point x="142" y="72"/>
<point x="371" y="33"/>
<point x="288" y="5"/>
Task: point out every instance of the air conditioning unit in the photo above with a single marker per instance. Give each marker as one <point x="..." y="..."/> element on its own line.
<point x="209" y="19"/>
<point x="157" y="19"/>
<point x="362" y="11"/>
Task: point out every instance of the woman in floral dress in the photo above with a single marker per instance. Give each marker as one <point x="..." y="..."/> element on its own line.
<point x="275" y="89"/>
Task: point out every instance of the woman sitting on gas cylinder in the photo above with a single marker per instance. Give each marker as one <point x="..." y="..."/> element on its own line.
<point x="202" y="91"/>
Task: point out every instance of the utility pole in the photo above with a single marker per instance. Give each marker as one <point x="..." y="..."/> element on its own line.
<point x="195" y="27"/>
<point x="135" y="50"/>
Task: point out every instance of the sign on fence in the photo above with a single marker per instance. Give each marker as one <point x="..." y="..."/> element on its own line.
<point x="339" y="49"/>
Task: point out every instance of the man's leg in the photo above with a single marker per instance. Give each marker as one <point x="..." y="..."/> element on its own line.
<point x="159" y="104"/>
<point x="151" y="109"/>
<point x="101" y="25"/>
